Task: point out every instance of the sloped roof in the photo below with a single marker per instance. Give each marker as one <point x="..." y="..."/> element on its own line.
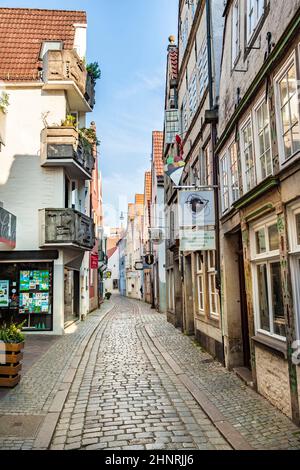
<point x="111" y="252"/>
<point x="22" y="31"/>
<point x="147" y="186"/>
<point x="139" y="199"/>
<point x="157" y="151"/>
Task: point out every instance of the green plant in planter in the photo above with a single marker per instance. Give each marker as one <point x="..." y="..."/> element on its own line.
<point x="70" y="121"/>
<point x="90" y="135"/>
<point x="94" y="71"/>
<point x="108" y="295"/>
<point x="4" y="102"/>
<point x="12" y="334"/>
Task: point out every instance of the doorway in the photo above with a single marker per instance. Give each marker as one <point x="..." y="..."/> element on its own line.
<point x="243" y="303"/>
<point x="189" y="323"/>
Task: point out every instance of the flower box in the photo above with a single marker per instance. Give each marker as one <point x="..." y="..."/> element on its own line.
<point x="10" y="363"/>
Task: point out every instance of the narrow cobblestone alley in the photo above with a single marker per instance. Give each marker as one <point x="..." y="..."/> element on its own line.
<point x="126" y="379"/>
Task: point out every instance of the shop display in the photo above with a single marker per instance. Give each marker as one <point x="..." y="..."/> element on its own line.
<point x="4" y="293"/>
<point x="34" y="280"/>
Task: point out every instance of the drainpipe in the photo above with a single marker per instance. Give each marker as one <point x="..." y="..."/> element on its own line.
<point x="215" y="160"/>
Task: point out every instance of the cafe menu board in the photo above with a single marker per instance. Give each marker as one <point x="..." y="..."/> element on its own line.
<point x="34" y="281"/>
<point x="4" y="294"/>
<point x="34" y="292"/>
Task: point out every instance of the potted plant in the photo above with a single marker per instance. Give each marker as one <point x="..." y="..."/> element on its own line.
<point x="108" y="295"/>
<point x="94" y="71"/>
<point x="70" y="121"/>
<point x="11" y="346"/>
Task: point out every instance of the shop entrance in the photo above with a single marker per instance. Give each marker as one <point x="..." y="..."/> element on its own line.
<point x="244" y="308"/>
<point x="71" y="296"/>
<point x="26" y="295"/>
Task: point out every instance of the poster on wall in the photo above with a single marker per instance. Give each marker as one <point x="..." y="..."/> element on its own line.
<point x="34" y="281"/>
<point x="4" y="294"/>
<point x="34" y="303"/>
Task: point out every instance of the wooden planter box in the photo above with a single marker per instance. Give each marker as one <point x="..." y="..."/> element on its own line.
<point x="10" y="366"/>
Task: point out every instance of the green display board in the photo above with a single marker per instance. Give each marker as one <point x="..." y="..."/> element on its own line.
<point x="34" y="292"/>
<point x="34" y="281"/>
<point x="4" y="294"/>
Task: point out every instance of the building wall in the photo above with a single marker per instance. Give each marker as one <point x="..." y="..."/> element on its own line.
<point x="38" y="187"/>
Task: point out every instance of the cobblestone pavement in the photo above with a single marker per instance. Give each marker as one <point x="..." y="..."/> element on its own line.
<point x="38" y="387"/>
<point x="127" y="395"/>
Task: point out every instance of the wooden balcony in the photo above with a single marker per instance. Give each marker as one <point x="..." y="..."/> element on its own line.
<point x="66" y="228"/>
<point x="62" y="146"/>
<point x="64" y="70"/>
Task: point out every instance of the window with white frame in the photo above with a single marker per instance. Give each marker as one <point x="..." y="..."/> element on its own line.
<point x="235" y="45"/>
<point x="212" y="287"/>
<point x="267" y="287"/>
<point x="185" y="117"/>
<point x="233" y="172"/>
<point x="255" y="10"/>
<point x="224" y="182"/>
<point x="200" y="272"/>
<point x="248" y="157"/>
<point x="294" y="244"/>
<point x="202" y="64"/>
<point x="171" y="296"/>
<point x="208" y="166"/>
<point x="263" y="140"/>
<point x="185" y="31"/>
<point x="193" y="96"/>
<point x="287" y="110"/>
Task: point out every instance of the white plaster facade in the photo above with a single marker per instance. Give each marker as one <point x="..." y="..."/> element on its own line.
<point x="26" y="187"/>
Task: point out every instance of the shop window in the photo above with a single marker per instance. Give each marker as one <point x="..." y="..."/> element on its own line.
<point x="200" y="283"/>
<point x="287" y="110"/>
<point x="268" y="295"/>
<point x="213" y="293"/>
<point x="294" y="245"/>
<point x="26" y="295"/>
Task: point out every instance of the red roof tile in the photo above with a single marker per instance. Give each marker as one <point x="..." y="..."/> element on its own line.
<point x="173" y="63"/>
<point x="111" y="252"/>
<point x="157" y="151"/>
<point x="22" y="32"/>
<point x="147" y="186"/>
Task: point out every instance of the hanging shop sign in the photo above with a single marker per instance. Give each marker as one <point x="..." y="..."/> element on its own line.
<point x="197" y="220"/>
<point x="139" y="266"/>
<point x="149" y="260"/>
<point x="8" y="224"/>
<point x="175" y="165"/>
<point x="107" y="275"/>
<point x="4" y="294"/>
<point x="94" y="261"/>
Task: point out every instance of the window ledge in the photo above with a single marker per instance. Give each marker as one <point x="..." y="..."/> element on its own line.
<point x="271" y="343"/>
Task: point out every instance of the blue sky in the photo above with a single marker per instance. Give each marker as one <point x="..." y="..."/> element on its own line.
<point x="129" y="39"/>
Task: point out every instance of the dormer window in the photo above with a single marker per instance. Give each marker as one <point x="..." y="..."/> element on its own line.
<point x="50" y="46"/>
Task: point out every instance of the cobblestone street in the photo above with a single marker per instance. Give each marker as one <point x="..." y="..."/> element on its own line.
<point x="126" y="379"/>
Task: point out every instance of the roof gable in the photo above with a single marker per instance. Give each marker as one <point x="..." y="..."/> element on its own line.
<point x="22" y="32"/>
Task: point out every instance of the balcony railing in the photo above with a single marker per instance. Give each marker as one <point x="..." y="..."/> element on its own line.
<point x="62" y="68"/>
<point x="66" y="227"/>
<point x="63" y="146"/>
